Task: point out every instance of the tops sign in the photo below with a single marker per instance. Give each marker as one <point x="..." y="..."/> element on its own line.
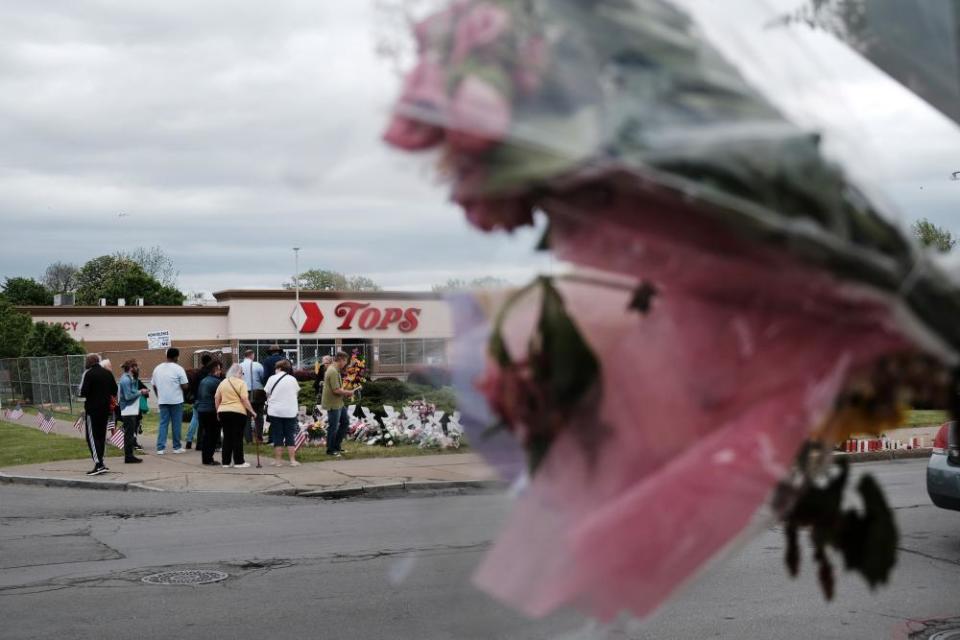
<point x="308" y="317"/>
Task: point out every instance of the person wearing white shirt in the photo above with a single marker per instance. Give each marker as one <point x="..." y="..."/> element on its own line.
<point x="253" y="377"/>
<point x="169" y="381"/>
<point x="282" y="407"/>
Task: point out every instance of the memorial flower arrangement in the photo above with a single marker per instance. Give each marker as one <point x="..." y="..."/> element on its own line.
<point x="746" y="304"/>
<point x="355" y="373"/>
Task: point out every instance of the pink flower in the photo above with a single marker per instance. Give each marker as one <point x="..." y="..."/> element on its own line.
<point x="479" y="116"/>
<point x="415" y="124"/>
<point x="482" y="26"/>
<point x="489" y="214"/>
<point x="411" y="135"/>
<point x="433" y="29"/>
<point x="532" y="62"/>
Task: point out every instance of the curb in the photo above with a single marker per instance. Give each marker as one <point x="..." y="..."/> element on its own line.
<point x="72" y="483"/>
<point x="882" y="456"/>
<point x="393" y="489"/>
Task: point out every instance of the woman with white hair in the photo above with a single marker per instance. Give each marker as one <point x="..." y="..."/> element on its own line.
<point x="233" y="410"/>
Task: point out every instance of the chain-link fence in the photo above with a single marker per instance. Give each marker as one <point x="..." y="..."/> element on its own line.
<point x="53" y="381"/>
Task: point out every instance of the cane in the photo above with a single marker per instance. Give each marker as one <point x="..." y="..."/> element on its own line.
<point x="253" y="427"/>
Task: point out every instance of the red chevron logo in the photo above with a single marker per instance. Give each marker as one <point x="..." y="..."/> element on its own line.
<point x="306" y="317"/>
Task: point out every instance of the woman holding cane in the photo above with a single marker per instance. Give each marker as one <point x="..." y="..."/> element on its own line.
<point x="234" y="410"/>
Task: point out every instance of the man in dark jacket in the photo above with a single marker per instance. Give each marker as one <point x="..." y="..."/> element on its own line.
<point x="97" y="388"/>
<point x="270" y="362"/>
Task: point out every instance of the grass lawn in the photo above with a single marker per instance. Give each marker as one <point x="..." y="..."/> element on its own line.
<point x="27" y="445"/>
<point x="925" y="418"/>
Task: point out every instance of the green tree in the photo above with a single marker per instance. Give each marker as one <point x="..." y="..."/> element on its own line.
<point x="50" y="340"/>
<point x="327" y="280"/>
<point x="155" y="262"/>
<point x="362" y="283"/>
<point x="116" y="276"/>
<point x="930" y="235"/>
<point x="14" y="329"/>
<point x="26" y="291"/>
<point x="60" y="277"/>
<point x="136" y="283"/>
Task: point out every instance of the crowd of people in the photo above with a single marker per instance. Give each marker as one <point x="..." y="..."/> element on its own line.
<point x="230" y="406"/>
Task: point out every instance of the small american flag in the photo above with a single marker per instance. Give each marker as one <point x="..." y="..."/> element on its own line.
<point x="299" y="439"/>
<point x="80" y="423"/>
<point x="112" y="422"/>
<point x="116" y="438"/>
<point x="45" y="421"/>
<point x="14" y="414"/>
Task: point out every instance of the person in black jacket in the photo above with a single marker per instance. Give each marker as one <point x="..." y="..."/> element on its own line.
<point x="96" y="389"/>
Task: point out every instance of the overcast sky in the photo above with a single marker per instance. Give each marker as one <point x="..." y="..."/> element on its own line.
<point x="228" y="131"/>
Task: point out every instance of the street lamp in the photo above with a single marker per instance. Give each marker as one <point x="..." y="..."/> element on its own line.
<point x="296" y="284"/>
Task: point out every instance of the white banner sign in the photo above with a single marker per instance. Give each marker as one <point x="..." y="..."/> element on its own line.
<point x="158" y="340"/>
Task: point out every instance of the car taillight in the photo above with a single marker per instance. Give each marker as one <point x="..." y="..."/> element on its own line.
<point x="941" y="441"/>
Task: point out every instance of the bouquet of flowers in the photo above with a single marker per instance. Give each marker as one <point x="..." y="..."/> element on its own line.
<point x="751" y="295"/>
<point x="316" y="432"/>
<point x="355" y="373"/>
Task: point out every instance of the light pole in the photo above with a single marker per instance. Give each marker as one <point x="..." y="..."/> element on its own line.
<point x="296" y="284"/>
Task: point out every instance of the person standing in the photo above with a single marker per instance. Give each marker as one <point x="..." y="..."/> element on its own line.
<point x="275" y="355"/>
<point x="318" y="381"/>
<point x="253" y="377"/>
<point x="128" y="398"/>
<point x="234" y="411"/>
<point x="144" y="409"/>
<point x="97" y="388"/>
<point x="169" y="382"/>
<point x="282" y="390"/>
<point x="205" y="408"/>
<point x="338" y="422"/>
<point x="195" y="377"/>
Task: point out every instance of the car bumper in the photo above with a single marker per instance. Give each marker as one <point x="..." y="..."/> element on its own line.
<point x="943" y="482"/>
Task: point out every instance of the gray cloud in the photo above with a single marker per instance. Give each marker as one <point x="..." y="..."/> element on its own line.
<point x="230" y="131"/>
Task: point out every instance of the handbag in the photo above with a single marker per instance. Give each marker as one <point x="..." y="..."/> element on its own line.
<point x="144" y="405"/>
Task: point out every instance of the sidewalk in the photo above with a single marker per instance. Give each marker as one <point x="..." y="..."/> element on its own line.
<point x="332" y="479"/>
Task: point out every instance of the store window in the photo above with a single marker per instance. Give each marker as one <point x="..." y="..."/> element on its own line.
<point x="435" y="352"/>
<point x="412" y="352"/>
<point x="391" y="353"/>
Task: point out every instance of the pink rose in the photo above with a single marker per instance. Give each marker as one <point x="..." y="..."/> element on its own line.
<point x="489" y="214"/>
<point x="479" y="116"/>
<point x="412" y="135"/>
<point x="424" y="88"/>
<point x="433" y="29"/>
<point x="420" y="109"/>
<point x="480" y="27"/>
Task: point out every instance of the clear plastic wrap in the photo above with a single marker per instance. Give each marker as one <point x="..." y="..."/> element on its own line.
<point x="745" y="293"/>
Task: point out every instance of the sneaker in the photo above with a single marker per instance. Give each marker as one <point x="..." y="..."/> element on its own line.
<point x="230" y="465"/>
<point x="132" y="460"/>
<point x="181" y="450"/>
<point x="161" y="452"/>
<point x="244" y="465"/>
<point x="274" y="463"/>
<point x="97" y="470"/>
<point x="294" y="464"/>
<point x="189" y="446"/>
<point x="334" y="454"/>
<point x="213" y="464"/>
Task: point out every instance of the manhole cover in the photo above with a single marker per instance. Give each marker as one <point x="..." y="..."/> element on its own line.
<point x="948" y="629"/>
<point x="186" y="576"/>
<point x="946" y="634"/>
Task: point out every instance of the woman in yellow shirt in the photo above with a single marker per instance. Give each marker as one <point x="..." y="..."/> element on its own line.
<point x="233" y="411"/>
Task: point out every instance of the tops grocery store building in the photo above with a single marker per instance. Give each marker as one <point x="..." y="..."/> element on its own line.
<point x="397" y="332"/>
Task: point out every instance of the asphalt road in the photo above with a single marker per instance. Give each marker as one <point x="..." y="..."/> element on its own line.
<point x="71" y="563"/>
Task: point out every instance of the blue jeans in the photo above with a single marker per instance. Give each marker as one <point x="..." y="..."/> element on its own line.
<point x="194" y="425"/>
<point x="169" y="413"/>
<point x="338" y="423"/>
